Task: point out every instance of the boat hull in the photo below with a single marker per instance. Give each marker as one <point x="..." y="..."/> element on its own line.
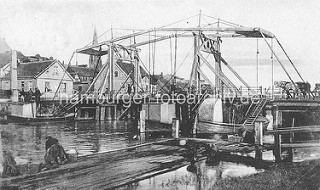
<point x="205" y="127"/>
<point x="19" y="119"/>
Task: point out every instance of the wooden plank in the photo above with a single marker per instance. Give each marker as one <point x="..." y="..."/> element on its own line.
<point x="302" y="129"/>
<point x="300" y="145"/>
<point x="296" y="103"/>
<point x="106" y="170"/>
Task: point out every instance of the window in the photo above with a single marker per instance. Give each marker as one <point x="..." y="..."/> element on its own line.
<point x="22" y="85"/>
<point x="7" y="85"/>
<point x="55" y="70"/>
<point x="63" y="87"/>
<point x="116" y="73"/>
<point x="47" y="86"/>
<point x="79" y="88"/>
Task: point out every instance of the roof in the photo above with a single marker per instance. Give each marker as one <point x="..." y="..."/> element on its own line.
<point x="34" y="69"/>
<point x="128" y="67"/>
<point x="81" y="71"/>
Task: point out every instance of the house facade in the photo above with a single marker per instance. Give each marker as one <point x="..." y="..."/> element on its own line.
<point x="123" y="78"/>
<point x="122" y="82"/>
<point x="45" y="75"/>
<point x="82" y="75"/>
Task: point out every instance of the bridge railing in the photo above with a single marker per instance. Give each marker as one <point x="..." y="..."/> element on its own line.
<point x="269" y="93"/>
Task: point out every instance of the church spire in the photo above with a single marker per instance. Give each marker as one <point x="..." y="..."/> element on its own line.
<point x="94" y="60"/>
<point x="95" y="38"/>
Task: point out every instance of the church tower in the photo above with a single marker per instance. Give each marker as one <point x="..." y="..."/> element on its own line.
<point x="95" y="61"/>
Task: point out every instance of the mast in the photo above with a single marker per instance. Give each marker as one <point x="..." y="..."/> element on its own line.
<point x="272" y="67"/>
<point x="111" y="58"/>
<point x="257" y="60"/>
<point x="218" y="64"/>
<point x="175" y="59"/>
<point x="197" y="57"/>
<point x="136" y="71"/>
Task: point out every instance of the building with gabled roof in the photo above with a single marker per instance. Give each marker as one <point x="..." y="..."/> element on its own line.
<point x="82" y="76"/>
<point x="45" y="75"/>
<point x="121" y="72"/>
<point x="123" y="78"/>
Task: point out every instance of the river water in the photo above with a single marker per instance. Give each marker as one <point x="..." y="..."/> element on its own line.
<point x="26" y="142"/>
<point x="203" y="177"/>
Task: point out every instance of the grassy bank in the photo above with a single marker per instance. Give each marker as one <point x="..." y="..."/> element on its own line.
<point x="304" y="175"/>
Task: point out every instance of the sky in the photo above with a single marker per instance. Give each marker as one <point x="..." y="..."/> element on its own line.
<point x="58" y="27"/>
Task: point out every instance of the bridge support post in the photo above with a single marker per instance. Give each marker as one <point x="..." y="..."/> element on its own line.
<point x="102" y="113"/>
<point x="290" y="150"/>
<point x="277" y="122"/>
<point x="108" y="112"/>
<point x="115" y="113"/>
<point x="97" y="113"/>
<point x="175" y="128"/>
<point x="78" y="112"/>
<point x="142" y="121"/>
<point x="258" y="127"/>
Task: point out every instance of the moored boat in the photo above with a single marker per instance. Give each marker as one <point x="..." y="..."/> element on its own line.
<point x="21" y="119"/>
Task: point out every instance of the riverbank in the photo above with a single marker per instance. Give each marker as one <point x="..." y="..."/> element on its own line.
<point x="301" y="175"/>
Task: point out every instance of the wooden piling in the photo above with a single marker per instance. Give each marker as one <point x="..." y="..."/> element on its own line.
<point x="79" y="112"/>
<point x="175" y="128"/>
<point x="97" y="113"/>
<point x="258" y="133"/>
<point x="277" y="137"/>
<point x="258" y="127"/>
<point x="142" y="121"/>
<point x="114" y="113"/>
<point x="102" y="113"/>
<point x="290" y="150"/>
<point x="194" y="130"/>
<point x="142" y="138"/>
<point x="108" y="113"/>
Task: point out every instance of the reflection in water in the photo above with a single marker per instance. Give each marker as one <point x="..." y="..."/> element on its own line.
<point x="26" y="143"/>
<point x="204" y="177"/>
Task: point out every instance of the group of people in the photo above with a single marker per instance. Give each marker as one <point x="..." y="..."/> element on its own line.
<point x="293" y="90"/>
<point x="28" y="96"/>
